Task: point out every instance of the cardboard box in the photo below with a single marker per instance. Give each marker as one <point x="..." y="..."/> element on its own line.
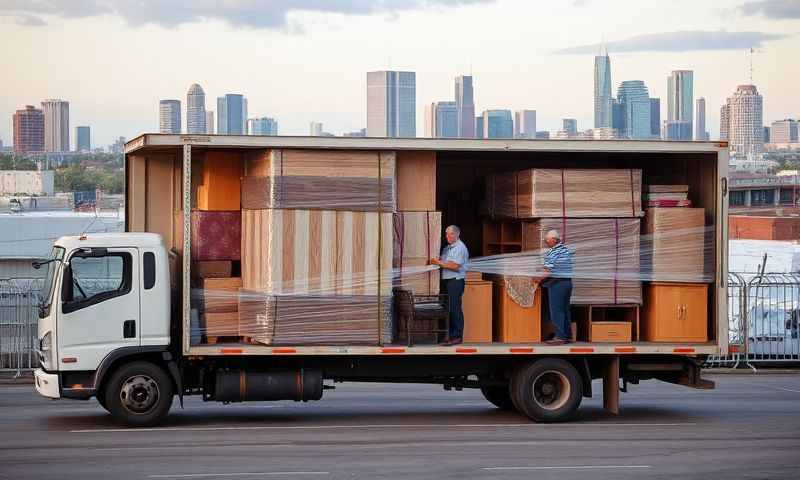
<point x="477" y="307"/>
<point x="218" y="295"/>
<point x="417" y="237"/>
<point x="220" y="324"/>
<point x="676" y="247"/>
<point x="609" y="332"/>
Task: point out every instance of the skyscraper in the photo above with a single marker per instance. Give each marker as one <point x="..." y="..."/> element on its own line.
<point x="525" y="124"/>
<point x="655" y="117"/>
<point x="169" y="116"/>
<point x="429" y="120"/>
<point x="210" y="122"/>
<point x="391" y="104"/>
<point x="479" y="127"/>
<point x="680" y="100"/>
<point x="570" y="126"/>
<point x="28" y="125"/>
<point x="618" y="117"/>
<point x="498" y="124"/>
<point x="602" y="91"/>
<point x="700" y="132"/>
<point x="724" y="121"/>
<point x="262" y="126"/>
<point x="465" y="106"/>
<point x="232" y="114"/>
<point x="315" y="129"/>
<point x="56" y="125"/>
<point x="676" y="130"/>
<point x="83" y="141"/>
<point x="195" y="110"/>
<point x="635" y="100"/>
<point x="745" y="121"/>
<point x="784" y="131"/>
<point x="441" y="120"/>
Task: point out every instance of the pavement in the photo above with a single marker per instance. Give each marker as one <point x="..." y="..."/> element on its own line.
<point x="749" y="428"/>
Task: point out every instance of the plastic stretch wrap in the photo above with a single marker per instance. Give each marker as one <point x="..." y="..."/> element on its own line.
<point x="545" y="193"/>
<point x="320" y="179"/>
<point x="417" y="237"/>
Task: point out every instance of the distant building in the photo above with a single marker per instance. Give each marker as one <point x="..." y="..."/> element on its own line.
<point x="525" y="124"/>
<point x="28" y="126"/>
<point x="700" y="132"/>
<point x="118" y="146"/>
<point x="479" y="126"/>
<point x="680" y="100"/>
<point x="767" y="134"/>
<point x="542" y="135"/>
<point x="602" y="91"/>
<point x="655" y="117"/>
<point x="676" y="130"/>
<point x="83" y="139"/>
<point x="169" y="116"/>
<point x="315" y="129"/>
<point x="618" y="117"/>
<point x="465" y="107"/>
<point x="210" y="122"/>
<point x="724" y="122"/>
<point x="429" y="120"/>
<point x="391" y="104"/>
<point x="357" y="133"/>
<point x="741" y="121"/>
<point x="604" y="133"/>
<point x="570" y="126"/>
<point x="56" y="125"/>
<point x="441" y="120"/>
<point x="498" y="124"/>
<point x="635" y="110"/>
<point x="231" y="114"/>
<point x="27" y="182"/>
<point x="262" y="126"/>
<point x="783" y="131"/>
<point x="196" y="110"/>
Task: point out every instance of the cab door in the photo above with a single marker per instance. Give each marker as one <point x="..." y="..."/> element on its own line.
<point x="99" y="306"/>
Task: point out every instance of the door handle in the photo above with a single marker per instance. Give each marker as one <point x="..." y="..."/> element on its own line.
<point x="129" y="329"/>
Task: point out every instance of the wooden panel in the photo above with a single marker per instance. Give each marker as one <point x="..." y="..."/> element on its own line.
<point x="219" y="295"/>
<point x="222" y="172"/>
<point x="158" y="214"/>
<point x="675" y="312"/>
<point x="136" y="193"/>
<point x="212" y="269"/>
<point x="514" y="323"/>
<point x="416" y="181"/>
<point x="610" y="332"/>
<point x="477" y="307"/>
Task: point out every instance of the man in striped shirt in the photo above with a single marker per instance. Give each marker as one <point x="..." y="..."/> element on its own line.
<point x="557" y="279"/>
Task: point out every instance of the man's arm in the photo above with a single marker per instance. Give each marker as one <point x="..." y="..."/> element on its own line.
<point x="446" y="265"/>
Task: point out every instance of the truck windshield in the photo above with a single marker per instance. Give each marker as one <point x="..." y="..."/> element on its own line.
<point x="56" y="256"/>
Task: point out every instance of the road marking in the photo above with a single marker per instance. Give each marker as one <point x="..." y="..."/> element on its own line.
<point x="183" y="447"/>
<point x="568" y="467"/>
<point x="778" y="388"/>
<point x="236" y="474"/>
<point x="387" y="426"/>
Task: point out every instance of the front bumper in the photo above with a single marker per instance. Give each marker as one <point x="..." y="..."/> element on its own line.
<point x="46" y="383"/>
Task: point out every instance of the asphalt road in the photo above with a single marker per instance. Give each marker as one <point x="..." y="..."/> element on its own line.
<point x="748" y="428"/>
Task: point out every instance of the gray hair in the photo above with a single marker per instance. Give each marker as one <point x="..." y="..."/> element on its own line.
<point x="454" y="229"/>
<point x="553" y="234"/>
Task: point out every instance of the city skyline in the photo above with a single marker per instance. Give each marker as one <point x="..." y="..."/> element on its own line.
<point x="553" y="60"/>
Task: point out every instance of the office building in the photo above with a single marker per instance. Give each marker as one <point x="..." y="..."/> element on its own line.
<point x="604" y="133"/>
<point x="723" y="122"/>
<point x="56" y="125"/>
<point x="784" y="131"/>
<point x="210" y="122"/>
<point x="525" y="124"/>
<point x="28" y="129"/>
<point x="743" y="121"/>
<point x="680" y="100"/>
<point x="315" y="129"/>
<point x="676" y="130"/>
<point x="232" y="114"/>
<point x="498" y="124"/>
<point x="479" y="126"/>
<point x="465" y="107"/>
<point x="358" y="133"/>
<point x="441" y="120"/>
<point x="83" y="139"/>
<point x="542" y="135"/>
<point x="700" y="132"/>
<point x="169" y="116"/>
<point x="262" y="126"/>
<point x="635" y="110"/>
<point x="429" y="120"/>
<point x="196" y="110"/>
<point x="618" y="117"/>
<point x="655" y="117"/>
<point x="602" y="91"/>
<point x="391" y="104"/>
<point x="767" y="134"/>
<point x="570" y="126"/>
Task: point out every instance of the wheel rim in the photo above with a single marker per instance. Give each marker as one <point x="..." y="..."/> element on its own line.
<point x="139" y="394"/>
<point x="551" y="390"/>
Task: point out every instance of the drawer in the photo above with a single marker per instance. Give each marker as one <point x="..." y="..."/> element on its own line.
<point x="610" y="332"/>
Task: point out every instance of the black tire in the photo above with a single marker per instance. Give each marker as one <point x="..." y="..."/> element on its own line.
<point x="101" y="399"/>
<point x="500" y="397"/>
<point x="139" y="394"/>
<point x="548" y="390"/>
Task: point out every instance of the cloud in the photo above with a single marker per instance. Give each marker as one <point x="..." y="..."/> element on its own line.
<point x="682" y="41"/>
<point x="270" y="14"/>
<point x="29" y="21"/>
<point x="775" y="9"/>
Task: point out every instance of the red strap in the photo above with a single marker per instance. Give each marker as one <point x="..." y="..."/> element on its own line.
<point x="616" y="256"/>
<point x="428" y="245"/>
<point x="563" y="196"/>
<point x="516" y="194"/>
<point x="633" y="202"/>
<point x="399" y="230"/>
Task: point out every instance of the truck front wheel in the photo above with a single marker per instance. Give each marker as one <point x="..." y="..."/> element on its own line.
<point x="139" y="394"/>
<point x="548" y="390"/>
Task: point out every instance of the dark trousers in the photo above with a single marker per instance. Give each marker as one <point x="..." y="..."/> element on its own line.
<point x="455" y="290"/>
<point x="559" y="291"/>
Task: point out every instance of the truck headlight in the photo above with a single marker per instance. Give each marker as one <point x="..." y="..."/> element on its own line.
<point x="46" y="342"/>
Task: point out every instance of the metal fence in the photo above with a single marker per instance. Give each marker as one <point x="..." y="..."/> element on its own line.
<point x="19" y="305"/>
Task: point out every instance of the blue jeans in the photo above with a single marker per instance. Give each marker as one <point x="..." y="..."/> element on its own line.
<point x="559" y="291"/>
<point x="455" y="291"/>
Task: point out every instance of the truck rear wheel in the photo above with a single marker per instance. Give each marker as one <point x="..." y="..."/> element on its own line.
<point x="500" y="397"/>
<point x="139" y="394"/>
<point x="548" y="390"/>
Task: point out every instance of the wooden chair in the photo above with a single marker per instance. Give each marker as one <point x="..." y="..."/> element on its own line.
<point x="428" y="315"/>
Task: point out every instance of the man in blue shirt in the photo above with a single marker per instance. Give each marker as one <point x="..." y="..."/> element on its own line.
<point x="557" y="279"/>
<point x="453" y="263"/>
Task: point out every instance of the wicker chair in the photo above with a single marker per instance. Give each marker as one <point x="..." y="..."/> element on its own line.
<point x="421" y="315"/>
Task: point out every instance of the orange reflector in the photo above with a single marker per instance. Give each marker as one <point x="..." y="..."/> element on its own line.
<point x="284" y="350"/>
<point x="231" y="351"/>
<point x="77" y="385"/>
<point x="521" y="349"/>
<point x="393" y="350"/>
<point x="735" y="348"/>
<point x="466" y="350"/>
<point x="625" y="349"/>
<point x="581" y="350"/>
<point x="69" y="360"/>
<point x="683" y="350"/>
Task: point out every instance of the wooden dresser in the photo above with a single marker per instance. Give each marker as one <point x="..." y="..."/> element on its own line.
<point x="675" y="312"/>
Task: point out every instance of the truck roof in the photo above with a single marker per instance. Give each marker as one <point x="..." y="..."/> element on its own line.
<point x="156" y="140"/>
<point x="111" y="240"/>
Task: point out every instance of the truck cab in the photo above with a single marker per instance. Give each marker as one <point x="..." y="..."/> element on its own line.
<point x="105" y="304"/>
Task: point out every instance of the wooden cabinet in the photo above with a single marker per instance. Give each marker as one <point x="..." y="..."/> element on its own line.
<point x="477" y="307"/>
<point x="515" y="323"/>
<point x="675" y="312"/>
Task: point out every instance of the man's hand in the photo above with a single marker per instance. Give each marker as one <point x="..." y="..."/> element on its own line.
<point x="435" y="261"/>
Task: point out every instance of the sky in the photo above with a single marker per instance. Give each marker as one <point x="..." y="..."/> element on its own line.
<point x="306" y="60"/>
